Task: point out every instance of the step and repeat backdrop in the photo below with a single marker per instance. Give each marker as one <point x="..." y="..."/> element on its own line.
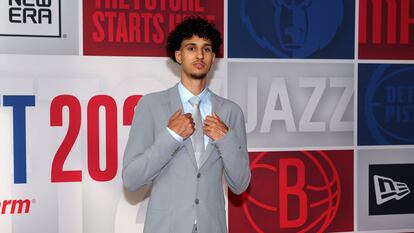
<point x="326" y="86"/>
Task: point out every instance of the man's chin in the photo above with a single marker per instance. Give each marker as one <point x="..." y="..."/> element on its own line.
<point x="198" y="76"/>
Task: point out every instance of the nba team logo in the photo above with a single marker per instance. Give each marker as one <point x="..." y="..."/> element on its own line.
<point x="30" y="18"/>
<point x="294" y="105"/>
<point x="390" y="188"/>
<point x="307" y="191"/>
<point x="294" y="29"/>
<point x="386" y="109"/>
<point x="386" y="29"/>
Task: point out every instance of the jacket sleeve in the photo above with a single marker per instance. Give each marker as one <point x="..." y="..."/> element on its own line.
<point x="233" y="150"/>
<point x="147" y="151"/>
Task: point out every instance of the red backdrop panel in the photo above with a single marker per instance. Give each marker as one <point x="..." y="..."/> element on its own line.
<point x="139" y="28"/>
<point x="386" y="29"/>
<point x="296" y="191"/>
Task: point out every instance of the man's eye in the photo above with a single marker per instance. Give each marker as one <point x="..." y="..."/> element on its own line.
<point x="207" y="49"/>
<point x="190" y="48"/>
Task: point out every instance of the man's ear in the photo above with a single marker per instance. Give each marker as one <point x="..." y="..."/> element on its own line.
<point x="178" y="56"/>
<point x="214" y="56"/>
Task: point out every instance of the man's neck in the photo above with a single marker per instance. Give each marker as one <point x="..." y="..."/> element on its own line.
<point x="195" y="86"/>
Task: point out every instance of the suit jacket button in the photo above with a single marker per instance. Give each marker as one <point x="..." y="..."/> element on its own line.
<point x="197" y="201"/>
<point x="198" y="175"/>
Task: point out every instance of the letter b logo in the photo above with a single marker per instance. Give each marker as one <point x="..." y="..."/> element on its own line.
<point x="292" y="193"/>
<point x="295" y="191"/>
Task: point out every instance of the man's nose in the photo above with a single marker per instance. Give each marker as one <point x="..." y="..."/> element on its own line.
<point x="200" y="53"/>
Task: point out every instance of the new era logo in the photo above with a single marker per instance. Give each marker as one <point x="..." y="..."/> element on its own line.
<point x="387" y="189"/>
<point x="40" y="18"/>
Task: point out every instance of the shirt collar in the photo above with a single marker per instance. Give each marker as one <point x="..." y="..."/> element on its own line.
<point x="186" y="95"/>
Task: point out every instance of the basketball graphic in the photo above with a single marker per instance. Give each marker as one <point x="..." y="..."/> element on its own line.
<point x="297" y="29"/>
<point x="388" y="100"/>
<point x="291" y="192"/>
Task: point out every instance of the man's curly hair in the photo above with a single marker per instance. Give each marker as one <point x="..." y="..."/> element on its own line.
<point x="193" y="26"/>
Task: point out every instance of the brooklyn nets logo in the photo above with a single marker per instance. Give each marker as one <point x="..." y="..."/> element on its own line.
<point x="293" y="192"/>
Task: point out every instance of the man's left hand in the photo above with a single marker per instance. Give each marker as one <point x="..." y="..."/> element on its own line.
<point x="214" y="127"/>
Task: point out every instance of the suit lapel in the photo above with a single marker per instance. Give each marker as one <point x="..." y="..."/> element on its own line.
<point x="174" y="97"/>
<point x="175" y="104"/>
<point x="216" y="103"/>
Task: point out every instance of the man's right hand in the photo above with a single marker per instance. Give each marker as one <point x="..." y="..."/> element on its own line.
<point x="182" y="124"/>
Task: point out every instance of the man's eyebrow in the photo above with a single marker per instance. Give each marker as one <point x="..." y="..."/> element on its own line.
<point x="190" y="43"/>
<point x="194" y="44"/>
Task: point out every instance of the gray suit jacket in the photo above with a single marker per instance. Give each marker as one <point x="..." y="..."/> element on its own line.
<point x="182" y="192"/>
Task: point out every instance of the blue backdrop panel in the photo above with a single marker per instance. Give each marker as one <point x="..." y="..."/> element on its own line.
<point x="291" y="29"/>
<point x="385" y="104"/>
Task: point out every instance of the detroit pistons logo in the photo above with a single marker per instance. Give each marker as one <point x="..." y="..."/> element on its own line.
<point x="292" y="28"/>
<point x="295" y="191"/>
<point x="389" y="104"/>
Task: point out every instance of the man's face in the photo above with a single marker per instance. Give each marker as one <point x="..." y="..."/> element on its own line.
<point x="196" y="57"/>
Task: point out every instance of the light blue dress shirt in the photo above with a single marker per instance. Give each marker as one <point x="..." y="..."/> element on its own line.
<point x="205" y="108"/>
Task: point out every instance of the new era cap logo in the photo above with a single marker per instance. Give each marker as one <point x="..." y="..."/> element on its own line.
<point x="387" y="189"/>
<point x="30" y="18"/>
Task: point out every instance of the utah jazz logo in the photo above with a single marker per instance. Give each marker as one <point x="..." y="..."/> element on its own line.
<point x="292" y="28"/>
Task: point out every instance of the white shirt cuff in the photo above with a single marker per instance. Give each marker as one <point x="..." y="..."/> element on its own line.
<point x="175" y="135"/>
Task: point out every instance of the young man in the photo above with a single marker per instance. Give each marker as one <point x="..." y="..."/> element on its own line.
<point x="184" y="139"/>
